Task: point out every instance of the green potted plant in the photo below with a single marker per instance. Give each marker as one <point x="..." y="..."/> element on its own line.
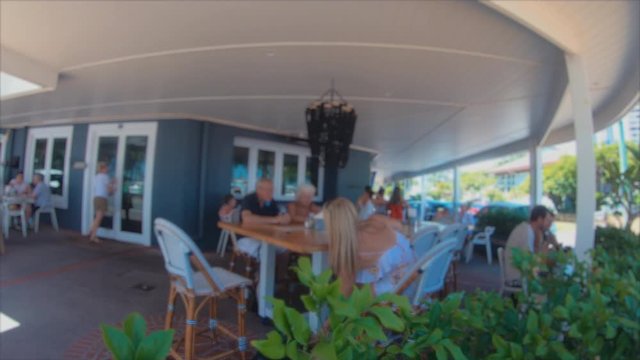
<point x="132" y="342"/>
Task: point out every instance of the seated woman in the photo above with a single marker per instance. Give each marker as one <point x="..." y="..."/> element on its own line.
<point x="18" y="186"/>
<point x="371" y="251"/>
<point x="229" y="203"/>
<point x="303" y="206"/>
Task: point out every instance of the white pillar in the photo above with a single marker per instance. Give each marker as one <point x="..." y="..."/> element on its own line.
<point x="535" y="175"/>
<point x="456" y="191"/>
<point x="586" y="162"/>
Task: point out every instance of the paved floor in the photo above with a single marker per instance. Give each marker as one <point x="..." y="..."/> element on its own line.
<point x="60" y="288"/>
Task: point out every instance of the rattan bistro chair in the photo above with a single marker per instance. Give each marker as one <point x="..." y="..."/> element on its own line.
<point x="198" y="284"/>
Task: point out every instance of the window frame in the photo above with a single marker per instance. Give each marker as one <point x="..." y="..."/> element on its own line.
<point x="50" y="134"/>
<point x="3" y="154"/>
<point x="280" y="150"/>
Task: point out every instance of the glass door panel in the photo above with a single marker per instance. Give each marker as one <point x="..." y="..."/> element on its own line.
<point x="107" y="153"/>
<point x="56" y="180"/>
<point x="133" y="176"/>
<point x="39" y="157"/>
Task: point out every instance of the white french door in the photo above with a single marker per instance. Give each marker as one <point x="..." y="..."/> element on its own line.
<point x="128" y="150"/>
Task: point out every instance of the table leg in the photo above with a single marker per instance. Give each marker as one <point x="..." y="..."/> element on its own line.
<point x="319" y="263"/>
<point x="267" y="278"/>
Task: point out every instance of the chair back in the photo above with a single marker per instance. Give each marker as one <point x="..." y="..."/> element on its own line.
<point x="450" y="231"/>
<point x="461" y="237"/>
<point x="424" y="240"/>
<point x="435" y="270"/>
<point x="177" y="247"/>
<point x="489" y="230"/>
<point x="427" y="275"/>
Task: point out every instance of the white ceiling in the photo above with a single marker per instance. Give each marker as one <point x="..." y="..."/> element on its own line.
<point x="432" y="82"/>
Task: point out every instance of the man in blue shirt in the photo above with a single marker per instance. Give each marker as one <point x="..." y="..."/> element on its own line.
<point x="41" y="195"/>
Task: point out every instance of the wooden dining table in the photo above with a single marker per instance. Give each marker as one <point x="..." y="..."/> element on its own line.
<point x="298" y="239"/>
<point x="295" y="238"/>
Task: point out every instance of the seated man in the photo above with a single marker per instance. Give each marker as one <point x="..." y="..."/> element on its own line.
<point x="41" y="195"/>
<point x="260" y="208"/>
<point x="527" y="236"/>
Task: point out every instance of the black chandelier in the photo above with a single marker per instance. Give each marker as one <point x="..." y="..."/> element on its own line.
<point x="331" y="123"/>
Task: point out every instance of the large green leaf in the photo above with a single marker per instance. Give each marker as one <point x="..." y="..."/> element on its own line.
<point x="156" y="346"/>
<point x="371" y="328"/>
<point x="309" y="303"/>
<point x="361" y="298"/>
<point x="388" y="318"/>
<point x="324" y="351"/>
<point x="279" y="317"/>
<point x="136" y="328"/>
<point x="299" y="327"/>
<point x="532" y="322"/>
<point x="272" y="347"/>
<point x="117" y="342"/>
<point x="454" y="349"/>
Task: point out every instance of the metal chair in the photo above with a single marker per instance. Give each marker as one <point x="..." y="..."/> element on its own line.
<point x="482" y="238"/>
<point x="198" y="284"/>
<point x="424" y="240"/>
<point x="428" y="274"/>
<point x="503" y="277"/>
<point x="45" y="210"/>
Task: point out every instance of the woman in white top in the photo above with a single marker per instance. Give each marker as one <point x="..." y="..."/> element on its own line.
<point x="18" y="186"/>
<point x="103" y="187"/>
<point x="371" y="251"/>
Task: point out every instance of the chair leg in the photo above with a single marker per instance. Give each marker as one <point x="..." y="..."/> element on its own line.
<point x="23" y="217"/>
<point x="220" y="243"/>
<point x="225" y="240"/>
<point x="54" y="219"/>
<point x="168" y="321"/>
<point x="213" y="317"/>
<point x="232" y="262"/>
<point x="489" y="254"/>
<point x="242" y="310"/>
<point x="36" y="225"/>
<point x="5" y="225"/>
<point x="189" y="337"/>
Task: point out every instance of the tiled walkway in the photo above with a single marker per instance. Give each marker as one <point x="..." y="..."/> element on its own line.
<point x="60" y="288"/>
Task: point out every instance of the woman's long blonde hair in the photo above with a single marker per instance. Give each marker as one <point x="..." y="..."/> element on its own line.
<point x="341" y="220"/>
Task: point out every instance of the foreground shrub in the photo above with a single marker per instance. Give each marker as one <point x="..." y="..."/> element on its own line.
<point x="571" y="310"/>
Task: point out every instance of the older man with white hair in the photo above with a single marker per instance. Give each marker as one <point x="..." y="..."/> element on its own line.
<point x="300" y="209"/>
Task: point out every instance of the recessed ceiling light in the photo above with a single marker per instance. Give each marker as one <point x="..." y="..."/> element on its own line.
<point x="11" y="86"/>
<point x="388" y="93"/>
<point x="271" y="54"/>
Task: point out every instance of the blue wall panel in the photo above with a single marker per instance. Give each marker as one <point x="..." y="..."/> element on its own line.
<point x="71" y="218"/>
<point x="176" y="185"/>
<point x="355" y="176"/>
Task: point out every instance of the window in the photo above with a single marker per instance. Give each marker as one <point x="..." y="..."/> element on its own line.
<point x="287" y="165"/>
<point x="48" y="152"/>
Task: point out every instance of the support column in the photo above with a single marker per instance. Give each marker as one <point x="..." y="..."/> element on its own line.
<point x="456" y="192"/>
<point x="535" y="175"/>
<point x="586" y="162"/>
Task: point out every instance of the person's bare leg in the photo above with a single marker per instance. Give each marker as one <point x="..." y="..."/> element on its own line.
<point x="96" y="224"/>
<point x="28" y="211"/>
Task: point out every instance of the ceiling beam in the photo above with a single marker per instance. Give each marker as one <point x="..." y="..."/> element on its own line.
<point x="540" y="17"/>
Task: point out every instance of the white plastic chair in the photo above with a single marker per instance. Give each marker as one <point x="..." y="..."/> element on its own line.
<point x="428" y="274"/>
<point x="191" y="277"/>
<point x="503" y="277"/>
<point x="8" y="214"/>
<point x="424" y="240"/>
<point x="233" y="218"/>
<point x="482" y="238"/>
<point x="45" y="210"/>
<point x="449" y="232"/>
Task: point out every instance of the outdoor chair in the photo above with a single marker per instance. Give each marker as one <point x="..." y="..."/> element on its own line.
<point x="8" y="214"/>
<point x="428" y="274"/>
<point x="52" y="215"/>
<point x="424" y="240"/>
<point x="482" y="238"/>
<point x="198" y="284"/>
<point x="233" y="218"/>
<point x="504" y="287"/>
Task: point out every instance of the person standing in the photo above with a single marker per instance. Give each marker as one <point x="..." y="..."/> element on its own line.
<point x="396" y="205"/>
<point x="103" y="187"/>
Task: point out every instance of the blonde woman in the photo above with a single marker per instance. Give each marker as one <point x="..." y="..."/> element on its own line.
<point x="371" y="251"/>
<point x="103" y="187"/>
